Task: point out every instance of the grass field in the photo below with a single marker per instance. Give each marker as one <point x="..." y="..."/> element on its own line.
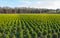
<point x="29" y="25"/>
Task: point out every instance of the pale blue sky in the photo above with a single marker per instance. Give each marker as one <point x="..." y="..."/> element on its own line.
<point x="51" y="4"/>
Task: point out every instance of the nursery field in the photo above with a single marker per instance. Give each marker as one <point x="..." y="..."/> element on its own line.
<point x="29" y="25"/>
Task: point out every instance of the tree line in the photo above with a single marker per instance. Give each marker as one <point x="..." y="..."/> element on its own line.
<point x="27" y="10"/>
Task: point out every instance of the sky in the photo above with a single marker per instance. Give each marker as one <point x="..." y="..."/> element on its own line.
<point x="50" y="4"/>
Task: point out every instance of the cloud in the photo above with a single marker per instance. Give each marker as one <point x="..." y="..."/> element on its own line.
<point x="43" y="4"/>
<point x="53" y="4"/>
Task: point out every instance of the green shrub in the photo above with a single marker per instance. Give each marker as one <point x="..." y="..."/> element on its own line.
<point x="49" y="36"/>
<point x="54" y="35"/>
